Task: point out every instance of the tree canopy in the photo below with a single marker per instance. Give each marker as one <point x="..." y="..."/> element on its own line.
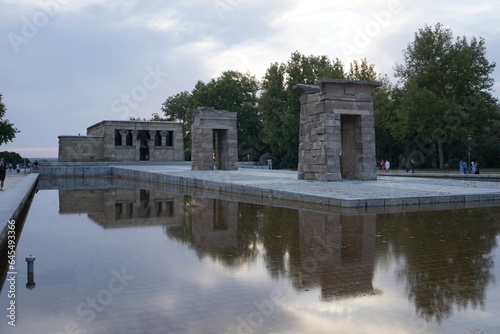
<point x="443" y="93"/>
<point x="7" y="129"/>
<point x="444" y="90"/>
<point x="13" y="157"/>
<point x="232" y="91"/>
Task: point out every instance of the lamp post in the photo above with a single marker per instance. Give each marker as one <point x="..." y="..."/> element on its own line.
<point x="470" y="139"/>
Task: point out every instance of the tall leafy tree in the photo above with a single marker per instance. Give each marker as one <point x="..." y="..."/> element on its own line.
<point x="7" y="129"/>
<point x="280" y="103"/>
<point x="362" y="70"/>
<point x="176" y="108"/>
<point x="446" y="87"/>
<point x="272" y="104"/>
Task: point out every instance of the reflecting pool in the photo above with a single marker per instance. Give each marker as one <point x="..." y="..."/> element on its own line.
<point x="131" y="260"/>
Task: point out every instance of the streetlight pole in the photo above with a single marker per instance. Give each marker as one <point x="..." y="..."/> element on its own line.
<point x="470" y="139"/>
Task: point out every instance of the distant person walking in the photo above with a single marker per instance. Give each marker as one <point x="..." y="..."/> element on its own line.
<point x="473" y="167"/>
<point x="476" y="165"/>
<point x="3" y="170"/>
<point x="387" y="165"/>
<point x="382" y="164"/>
<point x="411" y="165"/>
<point x="463" y="167"/>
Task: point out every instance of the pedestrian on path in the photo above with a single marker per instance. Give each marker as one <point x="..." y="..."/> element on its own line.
<point x="463" y="167"/>
<point x="411" y="165"/>
<point x="2" y="173"/>
<point x="387" y="165"/>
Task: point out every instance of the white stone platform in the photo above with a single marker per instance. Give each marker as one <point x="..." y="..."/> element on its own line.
<point x="277" y="186"/>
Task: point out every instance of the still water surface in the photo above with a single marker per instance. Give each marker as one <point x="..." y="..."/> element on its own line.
<point x="140" y="261"/>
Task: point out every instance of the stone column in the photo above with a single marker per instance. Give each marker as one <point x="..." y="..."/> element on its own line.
<point x="136" y="144"/>
<point x="123" y="134"/>
<point x="164" y="134"/>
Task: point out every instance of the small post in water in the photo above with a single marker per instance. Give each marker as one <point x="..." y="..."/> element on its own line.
<point x="31" y="272"/>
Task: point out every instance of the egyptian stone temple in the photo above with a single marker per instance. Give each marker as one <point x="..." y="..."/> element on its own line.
<point x="337" y="130"/>
<point x="214" y="139"/>
<point x="125" y="141"/>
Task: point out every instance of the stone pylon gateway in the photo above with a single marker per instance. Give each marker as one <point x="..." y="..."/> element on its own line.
<point x="337" y="130"/>
<point x="214" y="139"/>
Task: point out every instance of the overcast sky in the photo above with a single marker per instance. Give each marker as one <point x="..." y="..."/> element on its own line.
<point x="68" y="64"/>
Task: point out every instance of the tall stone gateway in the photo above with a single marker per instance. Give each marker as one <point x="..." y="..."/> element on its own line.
<point x="214" y="139"/>
<point x="337" y="131"/>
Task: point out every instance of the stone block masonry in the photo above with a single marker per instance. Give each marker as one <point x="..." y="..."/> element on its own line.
<point x="214" y="139"/>
<point x="337" y="130"/>
<point x="120" y="141"/>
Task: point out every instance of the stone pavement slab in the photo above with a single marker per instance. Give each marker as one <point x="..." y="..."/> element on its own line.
<point x="17" y="189"/>
<point x="284" y="185"/>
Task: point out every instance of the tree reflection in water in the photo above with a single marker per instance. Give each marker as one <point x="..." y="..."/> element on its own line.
<point x="446" y="255"/>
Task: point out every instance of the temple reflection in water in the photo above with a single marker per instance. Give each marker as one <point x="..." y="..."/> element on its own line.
<point x="337" y="253"/>
<point x="333" y="251"/>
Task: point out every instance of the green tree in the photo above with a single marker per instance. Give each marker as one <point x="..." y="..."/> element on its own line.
<point x="280" y="103"/>
<point x="445" y="89"/>
<point x="7" y="129"/>
<point x="272" y="104"/>
<point x="362" y="70"/>
<point x="13" y="157"/>
<point x="176" y="108"/>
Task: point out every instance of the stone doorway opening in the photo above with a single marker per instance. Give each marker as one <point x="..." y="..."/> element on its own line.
<point x="144" y="138"/>
<point x="220" y="149"/>
<point x="348" y="155"/>
<point x="144" y="151"/>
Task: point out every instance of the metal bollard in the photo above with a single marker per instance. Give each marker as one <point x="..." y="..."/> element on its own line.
<point x="31" y="272"/>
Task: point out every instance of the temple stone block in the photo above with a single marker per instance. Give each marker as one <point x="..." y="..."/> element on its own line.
<point x="214" y="139"/>
<point x="337" y="130"/>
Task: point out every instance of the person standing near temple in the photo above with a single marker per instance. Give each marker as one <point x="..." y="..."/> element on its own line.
<point x="2" y="173"/>
<point x="411" y="165"/>
<point x="463" y="167"/>
<point x="387" y="165"/>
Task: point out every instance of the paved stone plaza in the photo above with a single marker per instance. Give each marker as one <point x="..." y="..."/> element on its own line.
<point x="275" y="186"/>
